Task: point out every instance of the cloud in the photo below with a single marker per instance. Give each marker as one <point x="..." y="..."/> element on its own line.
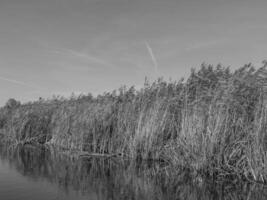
<point x="84" y="56"/>
<point x="205" y="44"/>
<point x="154" y="60"/>
<point x="22" y="83"/>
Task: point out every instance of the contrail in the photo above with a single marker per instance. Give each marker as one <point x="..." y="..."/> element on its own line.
<point x="19" y="83"/>
<point x="84" y="56"/>
<point x="154" y="60"/>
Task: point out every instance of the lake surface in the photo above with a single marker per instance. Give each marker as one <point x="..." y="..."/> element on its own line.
<point x="42" y="173"/>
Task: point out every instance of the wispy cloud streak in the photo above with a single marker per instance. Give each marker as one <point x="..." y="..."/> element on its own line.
<point x="153" y="57"/>
<point x="22" y="83"/>
<point x="206" y="44"/>
<point x="83" y="56"/>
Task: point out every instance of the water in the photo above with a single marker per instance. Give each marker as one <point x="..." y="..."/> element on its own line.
<point x="39" y="173"/>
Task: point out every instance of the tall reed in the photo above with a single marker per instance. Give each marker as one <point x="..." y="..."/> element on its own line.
<point x="214" y="122"/>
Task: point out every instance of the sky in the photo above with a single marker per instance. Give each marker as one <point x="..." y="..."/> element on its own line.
<point x="62" y="46"/>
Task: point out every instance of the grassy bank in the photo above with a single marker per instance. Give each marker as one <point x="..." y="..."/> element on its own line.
<point x="214" y="122"/>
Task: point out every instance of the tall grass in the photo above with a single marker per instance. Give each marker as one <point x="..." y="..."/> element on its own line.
<point x="214" y="122"/>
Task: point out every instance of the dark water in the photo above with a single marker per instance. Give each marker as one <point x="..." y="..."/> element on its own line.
<point x="40" y="173"/>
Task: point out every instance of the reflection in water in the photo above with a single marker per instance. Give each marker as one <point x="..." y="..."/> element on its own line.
<point x="102" y="178"/>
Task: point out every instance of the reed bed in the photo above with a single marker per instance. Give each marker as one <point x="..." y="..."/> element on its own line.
<point x="213" y="123"/>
